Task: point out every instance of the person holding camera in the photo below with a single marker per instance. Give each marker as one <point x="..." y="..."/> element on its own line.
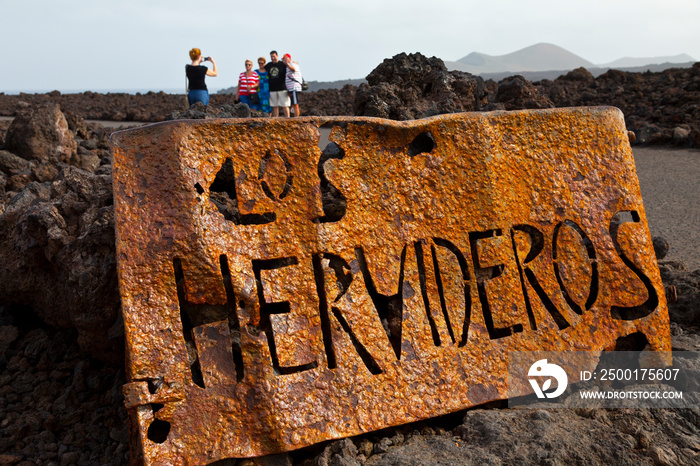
<point x="195" y="72"/>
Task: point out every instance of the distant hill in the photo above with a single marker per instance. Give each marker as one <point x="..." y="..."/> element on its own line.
<point x="318" y="85"/>
<point x="548" y="61"/>
<point x="595" y="71"/>
<point x="539" y="57"/>
<point x="628" y="62"/>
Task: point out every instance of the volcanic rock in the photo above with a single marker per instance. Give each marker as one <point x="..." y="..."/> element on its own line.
<point x="516" y="93"/>
<point x="77" y="125"/>
<point x="199" y="111"/>
<point x="41" y="133"/>
<point x="661" y="247"/>
<point x="681" y="135"/>
<point x="686" y="310"/>
<point x="413" y="86"/>
<point x="11" y="164"/>
<point x="651" y="134"/>
<point x="552" y="436"/>
<point x="328" y="102"/>
<point x="57" y="405"/>
<point x="57" y="251"/>
<point x="694" y="137"/>
<point x="661" y="108"/>
<point x="579" y="74"/>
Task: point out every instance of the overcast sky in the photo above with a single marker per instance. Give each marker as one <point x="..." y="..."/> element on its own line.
<point x="77" y="45"/>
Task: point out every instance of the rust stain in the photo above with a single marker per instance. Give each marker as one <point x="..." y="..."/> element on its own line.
<point x="272" y="301"/>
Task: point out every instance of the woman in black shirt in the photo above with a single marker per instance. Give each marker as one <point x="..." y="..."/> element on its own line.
<point x="197" y="89"/>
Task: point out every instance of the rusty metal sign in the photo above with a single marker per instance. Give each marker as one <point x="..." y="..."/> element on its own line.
<point x="276" y="294"/>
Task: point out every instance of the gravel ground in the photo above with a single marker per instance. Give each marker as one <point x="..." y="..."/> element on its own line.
<point x="670" y="183"/>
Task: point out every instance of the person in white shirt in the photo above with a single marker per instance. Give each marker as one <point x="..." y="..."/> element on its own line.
<point x="293" y="81"/>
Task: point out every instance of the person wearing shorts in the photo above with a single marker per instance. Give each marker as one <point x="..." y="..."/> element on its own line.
<point x="293" y="81"/>
<point x="279" y="97"/>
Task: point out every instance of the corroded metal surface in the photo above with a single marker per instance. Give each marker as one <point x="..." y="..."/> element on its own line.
<point x="272" y="301"/>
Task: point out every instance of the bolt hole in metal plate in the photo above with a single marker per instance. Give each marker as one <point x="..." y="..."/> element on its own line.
<point x="277" y="294"/>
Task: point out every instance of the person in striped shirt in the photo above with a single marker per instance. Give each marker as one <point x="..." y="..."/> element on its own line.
<point x="248" y="86"/>
<point x="293" y="82"/>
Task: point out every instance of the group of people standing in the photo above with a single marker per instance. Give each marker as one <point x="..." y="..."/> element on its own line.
<point x="273" y="86"/>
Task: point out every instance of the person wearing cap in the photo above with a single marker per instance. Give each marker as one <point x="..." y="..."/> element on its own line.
<point x="293" y="80"/>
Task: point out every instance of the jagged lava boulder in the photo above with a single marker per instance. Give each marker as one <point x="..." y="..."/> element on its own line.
<point x="41" y="133"/>
<point x="57" y="250"/>
<point x="517" y="93"/>
<point x="412" y="86"/>
<point x="57" y="229"/>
